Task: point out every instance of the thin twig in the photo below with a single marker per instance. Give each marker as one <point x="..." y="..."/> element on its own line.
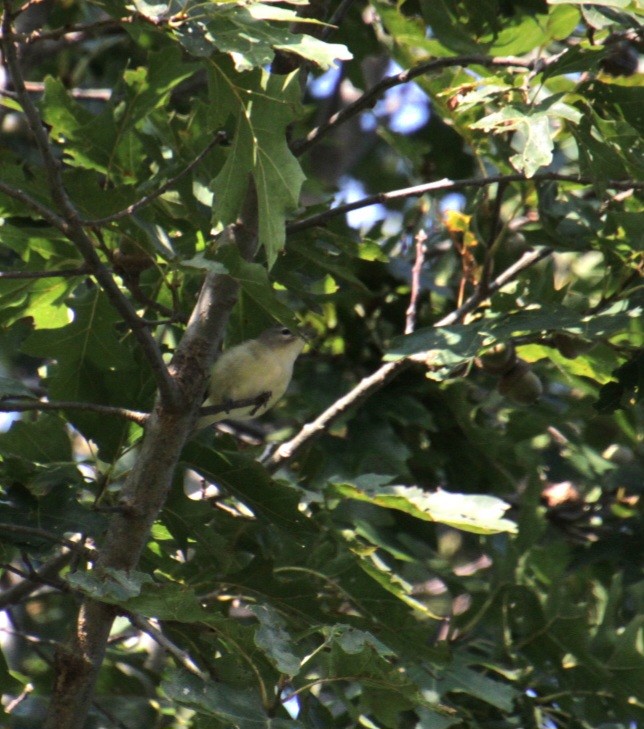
<point x="182" y="657"/>
<point x="367" y="386"/>
<point x="447" y="185"/>
<point x="72" y="226"/>
<point x="54" y="273"/>
<point x="527" y="260"/>
<point x="132" y="284"/>
<point x="27" y="5"/>
<point x="15" y="703"/>
<point x="257" y="400"/>
<point x="33" y="581"/>
<point x="219" y="138"/>
<point x="410" y="314"/>
<point x="55" y="583"/>
<point x="337" y="17"/>
<point x="45" y="213"/>
<point x="25" y="531"/>
<point x="368" y="99"/>
<point x="73" y="31"/>
<point x="8" y="405"/>
<point x="37" y="87"/>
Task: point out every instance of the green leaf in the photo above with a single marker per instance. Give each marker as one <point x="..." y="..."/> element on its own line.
<point x="476" y="513"/>
<point x="244" y="33"/>
<point x="91" y="138"/>
<point x="263" y="105"/>
<point x="456" y="344"/>
<point x="445" y="346"/>
<point x="94" y="365"/>
<point x="605" y="3"/>
<point x="114" y="586"/>
<point x="275" y="642"/>
<point x="148" y="87"/>
<point x="248" y="481"/>
<point x="353" y="641"/>
<point x="532" y="139"/>
<point x="44" y="441"/>
<point x="252" y="278"/>
<point x="11" y="389"/>
<point x="533" y="143"/>
<point x="462" y="678"/>
<point x="235" y="707"/>
<point x="168" y="601"/>
<point x="91" y="337"/>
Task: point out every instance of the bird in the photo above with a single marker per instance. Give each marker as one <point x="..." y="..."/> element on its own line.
<point x="258" y="369"/>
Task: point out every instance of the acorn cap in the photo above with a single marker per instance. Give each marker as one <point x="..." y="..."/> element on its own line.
<point x="499" y="359"/>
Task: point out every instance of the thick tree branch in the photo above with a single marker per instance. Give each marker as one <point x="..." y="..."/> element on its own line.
<point x="368" y="385"/>
<point x="148" y="482"/>
<point x="369" y="98"/>
<point x="72" y="225"/>
<point x="447" y="185"/>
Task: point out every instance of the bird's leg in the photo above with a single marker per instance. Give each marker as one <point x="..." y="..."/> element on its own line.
<point x="261" y="401"/>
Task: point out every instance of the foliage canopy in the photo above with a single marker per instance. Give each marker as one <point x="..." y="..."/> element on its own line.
<point x="449" y="194"/>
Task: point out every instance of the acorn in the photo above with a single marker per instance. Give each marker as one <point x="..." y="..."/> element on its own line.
<point x="570" y="346"/>
<point x="499" y="359"/>
<point x="520" y="384"/>
<point x="131" y="264"/>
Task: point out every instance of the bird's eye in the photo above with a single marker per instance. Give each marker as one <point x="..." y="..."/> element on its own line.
<point x="285" y="332"/>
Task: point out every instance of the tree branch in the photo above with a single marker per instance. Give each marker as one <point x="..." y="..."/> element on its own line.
<point x="368" y="99"/>
<point x="182" y="657"/>
<point x="447" y="185"/>
<point x="494" y="238"/>
<point x="257" y="400"/>
<point x="73" y="228"/>
<point x="410" y="314"/>
<point x="72" y="31"/>
<point x="54" y="273"/>
<point x="148" y="482"/>
<point x="6" y="406"/>
<point x="37" y="87"/>
<point x="32" y="582"/>
<point x="25" y="531"/>
<point x="42" y="210"/>
<point x="219" y="138"/>
<point x="370" y="384"/>
<point x="336" y="18"/>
